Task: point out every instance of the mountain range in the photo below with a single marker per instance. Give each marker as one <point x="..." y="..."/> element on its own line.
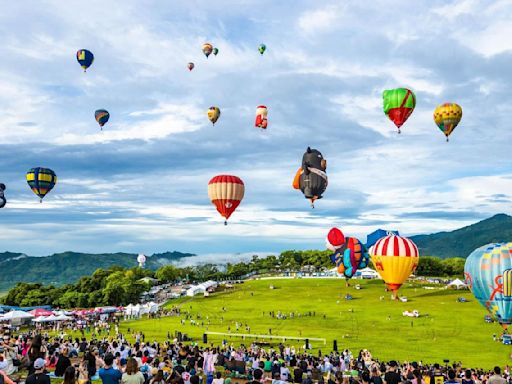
<point x="67" y="267"/>
<point x="463" y="241"/>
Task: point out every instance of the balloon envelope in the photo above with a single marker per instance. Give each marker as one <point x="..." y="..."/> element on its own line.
<point x="190" y="66"/>
<point x="261" y="117"/>
<point x="395" y="258"/>
<point x="262" y="48"/>
<point x="447" y="116"/>
<point x="215" y="51"/>
<point x="41" y="180"/>
<point x="101" y="116"/>
<point x="207" y="49"/>
<point x="399" y="104"/>
<point x="226" y="192"/>
<point x="213" y="114"/>
<point x="488" y="273"/>
<point x="84" y="58"/>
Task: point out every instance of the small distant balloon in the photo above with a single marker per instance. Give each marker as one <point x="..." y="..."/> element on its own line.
<point x="101" y="116"/>
<point x="261" y="117"/>
<point x="215" y="51"/>
<point x="213" y="114"/>
<point x="447" y="116"/>
<point x="207" y="49"/>
<point x="85" y="58"/>
<point x="190" y="66"/>
<point x="399" y="104"/>
<point x="262" y="48"/>
<point x="41" y="181"/>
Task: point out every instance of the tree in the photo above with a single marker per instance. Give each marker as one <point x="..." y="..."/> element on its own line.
<point x="167" y="274"/>
<point x="430" y="266"/>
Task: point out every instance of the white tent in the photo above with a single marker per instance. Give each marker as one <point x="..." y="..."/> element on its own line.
<point x="367" y="273"/>
<point x="16" y="315"/>
<point x="457" y="283"/>
<point x="51" y="318"/>
<point x="63" y="318"/>
<point x="39" y="319"/>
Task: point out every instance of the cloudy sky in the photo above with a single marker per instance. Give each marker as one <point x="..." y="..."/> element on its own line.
<point x="141" y="184"/>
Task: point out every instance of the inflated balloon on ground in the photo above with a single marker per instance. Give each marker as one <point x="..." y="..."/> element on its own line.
<point x="395" y="258"/>
<point x="488" y="273"/>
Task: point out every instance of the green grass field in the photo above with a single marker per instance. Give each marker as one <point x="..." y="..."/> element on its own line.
<point x="446" y="329"/>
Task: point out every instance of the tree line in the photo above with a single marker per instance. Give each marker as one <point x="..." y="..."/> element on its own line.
<point x="121" y="286"/>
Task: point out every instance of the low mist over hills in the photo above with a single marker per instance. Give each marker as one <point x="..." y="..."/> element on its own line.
<point x="67" y="267"/>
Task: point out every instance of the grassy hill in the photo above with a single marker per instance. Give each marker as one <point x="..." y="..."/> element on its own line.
<point x="446" y="329"/>
<point x="68" y="267"/>
<point x="461" y="242"/>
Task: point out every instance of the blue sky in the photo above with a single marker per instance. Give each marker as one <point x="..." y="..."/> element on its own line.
<point x="141" y="184"/>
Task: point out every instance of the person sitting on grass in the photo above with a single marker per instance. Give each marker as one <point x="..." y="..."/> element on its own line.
<point x="39" y="376"/>
<point x="69" y="375"/>
<point x="132" y="375"/>
<point x="108" y="374"/>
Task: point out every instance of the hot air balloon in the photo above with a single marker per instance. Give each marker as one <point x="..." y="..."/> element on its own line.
<point x="3" y="201"/>
<point x="207" y="49"/>
<point x="311" y="178"/>
<point x="447" y="116"/>
<point x="398" y="105"/>
<point x="226" y="192"/>
<point x="215" y="51"/>
<point x="349" y="253"/>
<point x="84" y="58"/>
<point x="41" y="181"/>
<point x="395" y="258"/>
<point x="261" y="117"/>
<point x="262" y="48"/>
<point x="488" y="272"/>
<point x="101" y="116"/>
<point x="190" y="66"/>
<point x="141" y="259"/>
<point x="213" y="114"/>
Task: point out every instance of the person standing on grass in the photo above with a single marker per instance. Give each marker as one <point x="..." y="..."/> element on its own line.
<point x="69" y="375"/>
<point x="496" y="378"/>
<point x="108" y="374"/>
<point x="63" y="363"/>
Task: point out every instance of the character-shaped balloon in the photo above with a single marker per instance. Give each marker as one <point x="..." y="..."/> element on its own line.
<point x="349" y="253"/>
<point x="261" y="117"/>
<point x="311" y="178"/>
<point x="3" y="201"/>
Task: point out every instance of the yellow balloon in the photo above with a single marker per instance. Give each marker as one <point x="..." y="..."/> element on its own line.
<point x="213" y="114"/>
<point x="394" y="258"/>
<point x="447" y="116"/>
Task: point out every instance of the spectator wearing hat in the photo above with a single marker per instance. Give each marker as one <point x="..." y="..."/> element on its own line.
<point x="38" y="377"/>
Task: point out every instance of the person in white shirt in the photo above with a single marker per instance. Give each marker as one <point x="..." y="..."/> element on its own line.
<point x="218" y="379"/>
<point x="284" y="372"/>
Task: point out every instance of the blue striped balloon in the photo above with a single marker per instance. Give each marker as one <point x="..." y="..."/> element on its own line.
<point x="488" y="273"/>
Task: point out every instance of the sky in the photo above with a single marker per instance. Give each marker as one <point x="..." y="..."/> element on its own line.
<point x="141" y="184"/>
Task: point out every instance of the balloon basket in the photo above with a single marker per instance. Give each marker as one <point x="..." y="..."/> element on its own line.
<point x="225" y="222"/>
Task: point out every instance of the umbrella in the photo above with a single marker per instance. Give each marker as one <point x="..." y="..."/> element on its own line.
<point x="40" y="312"/>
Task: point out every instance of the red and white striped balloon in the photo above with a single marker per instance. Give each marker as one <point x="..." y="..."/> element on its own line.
<point x="226" y="192"/>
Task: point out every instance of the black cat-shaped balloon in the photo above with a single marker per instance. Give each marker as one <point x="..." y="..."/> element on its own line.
<point x="311" y="178"/>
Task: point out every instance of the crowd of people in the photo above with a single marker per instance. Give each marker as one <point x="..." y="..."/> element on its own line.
<point x="37" y="358"/>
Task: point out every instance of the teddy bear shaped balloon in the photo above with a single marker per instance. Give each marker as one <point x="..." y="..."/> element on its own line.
<point x="311" y="178"/>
